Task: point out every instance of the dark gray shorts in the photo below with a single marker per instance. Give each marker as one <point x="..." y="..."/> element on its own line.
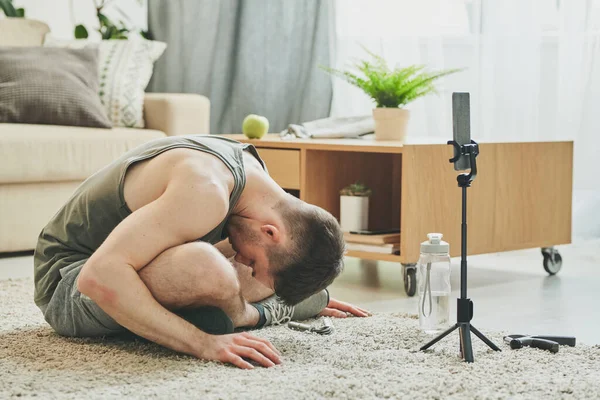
<point x="71" y="313"/>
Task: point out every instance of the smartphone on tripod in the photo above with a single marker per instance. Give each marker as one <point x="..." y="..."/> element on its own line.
<point x="461" y="126"/>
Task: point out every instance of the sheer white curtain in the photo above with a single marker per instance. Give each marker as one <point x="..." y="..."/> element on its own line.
<point x="532" y="68"/>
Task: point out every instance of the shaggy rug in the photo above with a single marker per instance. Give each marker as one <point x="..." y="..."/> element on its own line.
<point x="367" y="358"/>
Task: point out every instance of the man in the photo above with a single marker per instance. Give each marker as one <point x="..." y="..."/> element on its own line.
<point x="140" y="246"/>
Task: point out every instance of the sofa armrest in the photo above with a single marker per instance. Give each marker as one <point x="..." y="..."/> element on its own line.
<point x="177" y="113"/>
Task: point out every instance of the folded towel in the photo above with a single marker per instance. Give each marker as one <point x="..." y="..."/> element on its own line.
<point x="328" y="128"/>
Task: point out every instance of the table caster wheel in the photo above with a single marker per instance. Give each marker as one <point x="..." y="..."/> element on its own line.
<point x="410" y="279"/>
<point x="552" y="260"/>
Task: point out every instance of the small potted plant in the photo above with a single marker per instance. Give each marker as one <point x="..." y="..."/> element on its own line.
<point x="354" y="207"/>
<point x="391" y="90"/>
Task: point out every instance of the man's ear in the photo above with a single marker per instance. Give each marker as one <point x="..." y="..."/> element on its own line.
<point x="272" y="232"/>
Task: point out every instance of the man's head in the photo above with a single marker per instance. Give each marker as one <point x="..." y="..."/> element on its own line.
<point x="298" y="252"/>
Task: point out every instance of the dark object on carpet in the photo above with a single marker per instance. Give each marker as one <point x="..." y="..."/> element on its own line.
<point x="211" y="320"/>
<point x="326" y="328"/>
<point x="550" y="343"/>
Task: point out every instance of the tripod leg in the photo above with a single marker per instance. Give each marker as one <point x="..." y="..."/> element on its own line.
<point x="440" y="337"/>
<point x="465" y="342"/>
<point x="484" y="339"/>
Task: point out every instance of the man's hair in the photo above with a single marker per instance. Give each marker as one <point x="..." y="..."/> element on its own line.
<point x="316" y="256"/>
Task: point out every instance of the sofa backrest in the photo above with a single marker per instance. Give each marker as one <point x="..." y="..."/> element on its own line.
<point x="22" y="32"/>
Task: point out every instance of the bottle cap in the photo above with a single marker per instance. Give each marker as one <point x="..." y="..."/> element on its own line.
<point x="435" y="244"/>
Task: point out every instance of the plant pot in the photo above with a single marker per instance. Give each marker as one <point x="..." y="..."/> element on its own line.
<point x="390" y="123"/>
<point x="354" y="213"/>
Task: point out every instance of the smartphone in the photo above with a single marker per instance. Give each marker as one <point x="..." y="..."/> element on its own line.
<point x="461" y="124"/>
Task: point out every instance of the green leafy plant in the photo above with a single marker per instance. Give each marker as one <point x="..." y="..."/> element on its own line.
<point x="356" y="189"/>
<point x="10" y="11"/>
<point x="391" y="87"/>
<point x="108" y="28"/>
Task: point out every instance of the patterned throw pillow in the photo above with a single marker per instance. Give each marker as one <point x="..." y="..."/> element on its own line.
<point x="124" y="70"/>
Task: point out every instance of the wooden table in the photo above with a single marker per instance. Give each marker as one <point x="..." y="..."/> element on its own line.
<point x="520" y="199"/>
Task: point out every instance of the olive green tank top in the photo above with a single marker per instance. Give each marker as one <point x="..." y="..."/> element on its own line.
<point x="98" y="206"/>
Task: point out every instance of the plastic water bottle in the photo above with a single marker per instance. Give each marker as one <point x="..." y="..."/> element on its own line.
<point x="433" y="281"/>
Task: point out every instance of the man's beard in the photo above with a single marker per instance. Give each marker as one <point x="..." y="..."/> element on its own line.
<point x="242" y="233"/>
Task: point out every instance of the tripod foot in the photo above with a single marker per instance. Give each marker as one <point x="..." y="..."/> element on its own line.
<point x="466" y="348"/>
<point x="440" y="337"/>
<point x="484" y="339"/>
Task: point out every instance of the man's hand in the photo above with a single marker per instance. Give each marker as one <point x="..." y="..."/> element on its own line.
<point x="235" y="347"/>
<point x="340" y="309"/>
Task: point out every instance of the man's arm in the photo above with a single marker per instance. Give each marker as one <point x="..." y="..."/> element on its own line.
<point x="190" y="207"/>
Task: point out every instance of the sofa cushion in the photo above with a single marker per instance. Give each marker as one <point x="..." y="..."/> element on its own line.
<point x="16" y="32"/>
<point x="50" y="86"/>
<point x="42" y="153"/>
<point x="124" y="70"/>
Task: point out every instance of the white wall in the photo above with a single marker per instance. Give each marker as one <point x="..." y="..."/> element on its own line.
<point x="62" y="18"/>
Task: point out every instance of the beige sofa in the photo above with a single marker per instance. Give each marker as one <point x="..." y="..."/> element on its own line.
<point x="41" y="165"/>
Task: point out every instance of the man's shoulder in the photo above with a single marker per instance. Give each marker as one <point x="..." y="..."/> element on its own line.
<point x="199" y="166"/>
<point x="203" y="178"/>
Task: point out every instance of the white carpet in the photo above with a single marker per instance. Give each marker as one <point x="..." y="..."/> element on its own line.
<point x="375" y="357"/>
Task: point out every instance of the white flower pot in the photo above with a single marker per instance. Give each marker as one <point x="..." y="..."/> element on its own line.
<point x="390" y="123"/>
<point x="354" y="213"/>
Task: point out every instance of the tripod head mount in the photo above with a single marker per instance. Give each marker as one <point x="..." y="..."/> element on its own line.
<point x="463" y="150"/>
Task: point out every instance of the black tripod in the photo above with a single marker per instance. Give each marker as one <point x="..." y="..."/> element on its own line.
<point x="464" y="308"/>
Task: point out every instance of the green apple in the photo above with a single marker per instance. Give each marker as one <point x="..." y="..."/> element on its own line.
<point x="255" y="126"/>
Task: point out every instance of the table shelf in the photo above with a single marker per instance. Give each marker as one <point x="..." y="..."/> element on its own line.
<point x="366" y="255"/>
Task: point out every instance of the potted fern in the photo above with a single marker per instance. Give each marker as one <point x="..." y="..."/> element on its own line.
<point x="354" y="207"/>
<point x="10" y="11"/>
<point x="391" y="90"/>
